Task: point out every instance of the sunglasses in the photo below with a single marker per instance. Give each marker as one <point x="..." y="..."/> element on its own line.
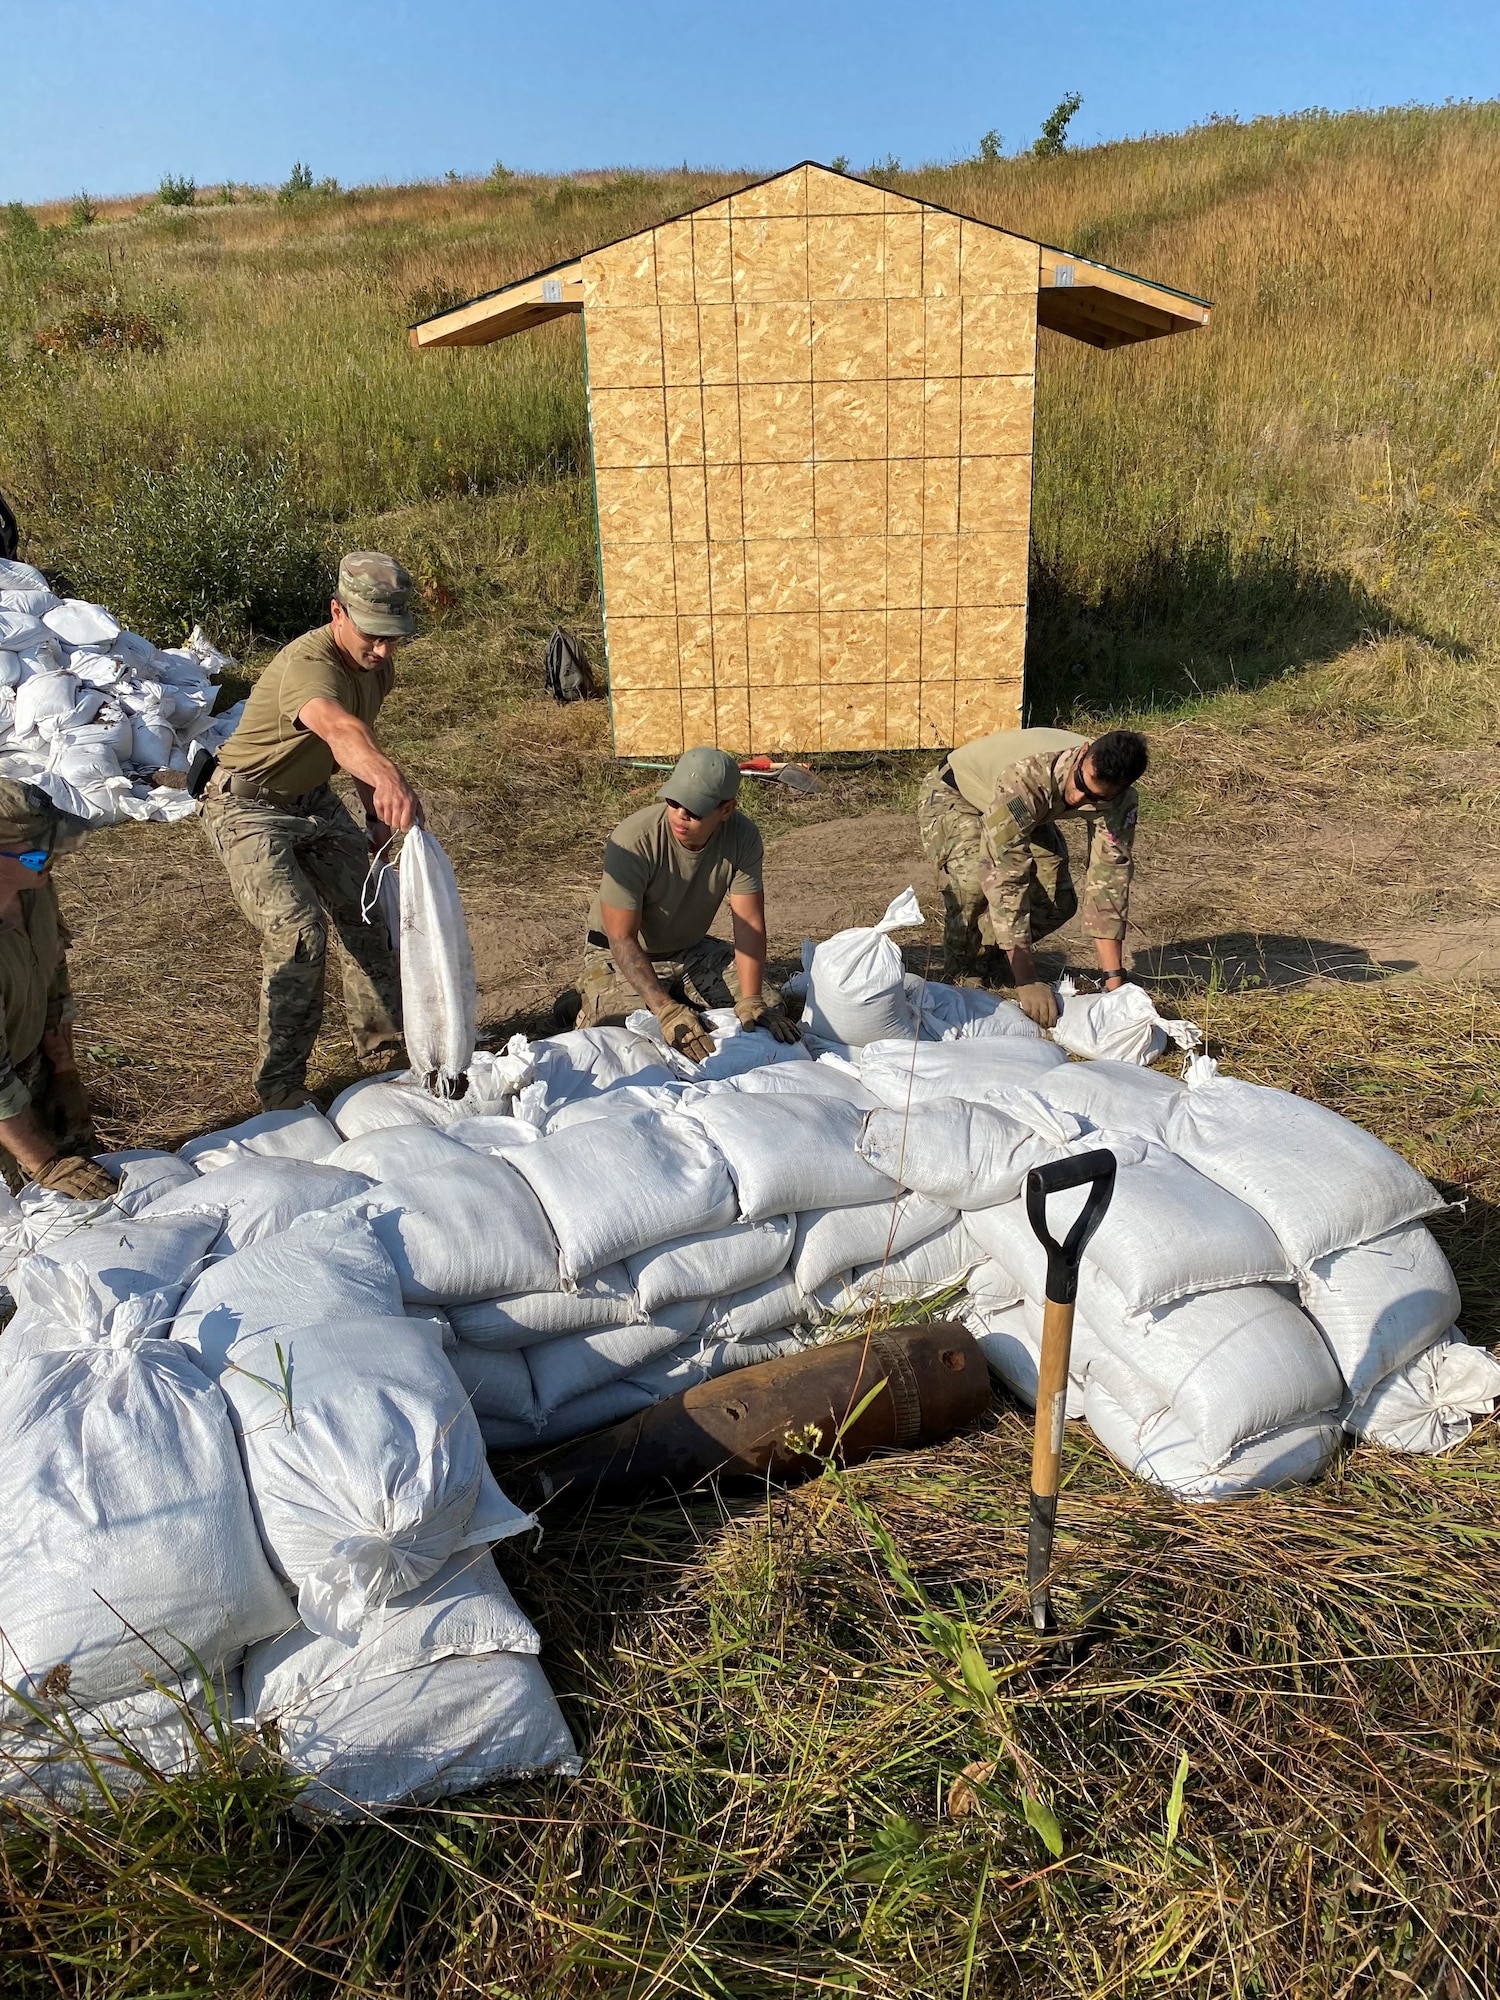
<point x="34" y="858"/>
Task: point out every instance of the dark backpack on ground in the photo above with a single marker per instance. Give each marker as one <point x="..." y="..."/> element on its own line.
<point x="10" y="534"/>
<point x="569" y="677"/>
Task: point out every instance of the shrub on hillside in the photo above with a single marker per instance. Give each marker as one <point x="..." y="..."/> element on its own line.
<point x="177" y="191"/>
<point x="220" y="541"/>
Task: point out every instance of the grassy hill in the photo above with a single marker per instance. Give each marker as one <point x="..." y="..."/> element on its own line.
<point x="1284" y="537"/>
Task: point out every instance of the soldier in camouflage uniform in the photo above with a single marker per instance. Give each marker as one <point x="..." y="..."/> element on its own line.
<point x="988" y="818"/>
<point x="46" y="1131"/>
<point x="295" y="858"/>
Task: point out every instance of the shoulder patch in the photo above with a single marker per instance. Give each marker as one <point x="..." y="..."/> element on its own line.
<point x="1020" y="812"/>
<point x="1130" y="819"/>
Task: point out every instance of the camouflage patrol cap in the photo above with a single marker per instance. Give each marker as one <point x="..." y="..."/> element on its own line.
<point x="376" y="592"/>
<point x="702" y="779"/>
<point x="29" y="820"/>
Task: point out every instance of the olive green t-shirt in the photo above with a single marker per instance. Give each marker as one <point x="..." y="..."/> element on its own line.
<point x="977" y="766"/>
<point x="677" y="893"/>
<point x="270" y="745"/>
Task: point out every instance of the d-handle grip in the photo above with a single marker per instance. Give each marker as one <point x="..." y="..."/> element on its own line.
<point x="1095" y="1170"/>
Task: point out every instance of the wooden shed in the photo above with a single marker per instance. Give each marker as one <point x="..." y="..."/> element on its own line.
<point x="810" y="407"/>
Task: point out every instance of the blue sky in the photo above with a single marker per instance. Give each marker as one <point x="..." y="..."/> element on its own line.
<point x="110" y="96"/>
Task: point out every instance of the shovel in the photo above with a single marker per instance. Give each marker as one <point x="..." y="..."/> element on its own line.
<point x="1096" y="1171"/>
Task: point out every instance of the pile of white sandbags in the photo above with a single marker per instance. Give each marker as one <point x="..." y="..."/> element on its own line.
<point x="1262" y="1285"/>
<point x="246" y="1403"/>
<point x="90" y="712"/>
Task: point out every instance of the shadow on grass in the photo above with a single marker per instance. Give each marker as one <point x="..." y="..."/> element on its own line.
<point x="1234" y="961"/>
<point x="1188" y="616"/>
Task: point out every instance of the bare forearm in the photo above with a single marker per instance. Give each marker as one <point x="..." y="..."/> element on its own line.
<point x="633" y="965"/>
<point x="24" y="1140"/>
<point x="1111" y="956"/>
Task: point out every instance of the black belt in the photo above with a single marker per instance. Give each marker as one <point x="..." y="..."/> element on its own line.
<point x="235" y="785"/>
<point x="656" y="957"/>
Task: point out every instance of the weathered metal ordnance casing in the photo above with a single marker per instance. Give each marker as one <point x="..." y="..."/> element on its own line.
<point x="782" y="1418"/>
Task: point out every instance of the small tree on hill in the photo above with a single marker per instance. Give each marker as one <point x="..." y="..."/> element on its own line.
<point x="83" y="212"/>
<point x="1053" y="137"/>
<point x="177" y="191"/>
<point x="989" y="146"/>
<point x="297" y="183"/>
<point x="500" y="178"/>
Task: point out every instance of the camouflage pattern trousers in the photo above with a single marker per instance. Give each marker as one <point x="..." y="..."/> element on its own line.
<point x="704" y="976"/>
<point x="52" y="1115"/>
<point x="951" y="839"/>
<point x="295" y="875"/>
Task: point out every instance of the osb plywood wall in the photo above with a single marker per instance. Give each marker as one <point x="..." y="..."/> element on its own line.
<point x="811" y="409"/>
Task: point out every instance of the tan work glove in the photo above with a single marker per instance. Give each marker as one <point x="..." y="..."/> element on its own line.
<point x="758" y="1012"/>
<point x="682" y="1029"/>
<point x="72" y="1175"/>
<point x="1038" y="1003"/>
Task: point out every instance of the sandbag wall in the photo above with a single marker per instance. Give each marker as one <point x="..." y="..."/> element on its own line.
<point x="243" y="1408"/>
<point x="91" y="712"/>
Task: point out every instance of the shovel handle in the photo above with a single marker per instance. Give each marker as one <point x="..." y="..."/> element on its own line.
<point x="1095" y="1170"/>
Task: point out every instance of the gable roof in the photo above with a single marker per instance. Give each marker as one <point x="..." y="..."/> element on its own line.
<point x="1077" y="296"/>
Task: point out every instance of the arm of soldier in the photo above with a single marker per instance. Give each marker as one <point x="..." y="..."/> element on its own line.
<point x="747" y="914"/>
<point x="1106" y="890"/>
<point x="622" y="928"/>
<point x="20" y="1134"/>
<point x="390" y="797"/>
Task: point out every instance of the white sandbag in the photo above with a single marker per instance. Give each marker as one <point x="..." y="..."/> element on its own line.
<point x="471" y="1231"/>
<point x="1122" y="1026"/>
<point x="832" y="1242"/>
<point x="20" y="632"/>
<point x="1381" y="1302"/>
<point x="435" y="1318"/>
<point x="325" y="1266"/>
<point x="63" y="1305"/>
<point x="769" y="1307"/>
<point x="261" y="1197"/>
<point x="390" y="1150"/>
<point x="604" y="1298"/>
<point x="968" y="1155"/>
<point x="902" y="1073"/>
<point x="609" y="1404"/>
<point x="379" y="1103"/>
<point x="737" y="1050"/>
<point x="1430" y="1403"/>
<point x="1168" y="1233"/>
<point x="615" y="1187"/>
<point x="704" y="1361"/>
<point x="992" y="1285"/>
<point x="129" y="1546"/>
<point x="814" y="1079"/>
<point x="146" y="1180"/>
<point x="82" y="624"/>
<point x="1321" y="1182"/>
<point x="497" y="1383"/>
<point x="128" y="1255"/>
<point x="151" y="743"/>
<point x="856" y="990"/>
<point x="791" y="1153"/>
<point x="714" y="1263"/>
<point x="960" y="1013"/>
<point x="85" y="1759"/>
<point x="1012" y="1352"/>
<point x="566" y="1368"/>
<point x="462" y="1612"/>
<point x="493" y="1133"/>
<point x="1114" y="1096"/>
<point x="944" y="1258"/>
<point x="432" y="1732"/>
<point x="619" y="1101"/>
<point x="44" y="699"/>
<point x="22" y="576"/>
<point x="583" y="1063"/>
<point x="1165" y="1452"/>
<point x="1231" y="1365"/>
<point x="439" y="1001"/>
<point x="303" y="1134"/>
<point x="364" y="1461"/>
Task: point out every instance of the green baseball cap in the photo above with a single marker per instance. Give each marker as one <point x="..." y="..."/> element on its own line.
<point x="702" y="779"/>
<point x="29" y="820"/>
<point x="376" y="592"/>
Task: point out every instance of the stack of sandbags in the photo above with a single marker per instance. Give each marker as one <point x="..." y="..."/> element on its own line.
<point x="89" y="712"/>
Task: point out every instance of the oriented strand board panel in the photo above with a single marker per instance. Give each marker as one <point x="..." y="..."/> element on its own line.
<point x="811" y="411"/>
